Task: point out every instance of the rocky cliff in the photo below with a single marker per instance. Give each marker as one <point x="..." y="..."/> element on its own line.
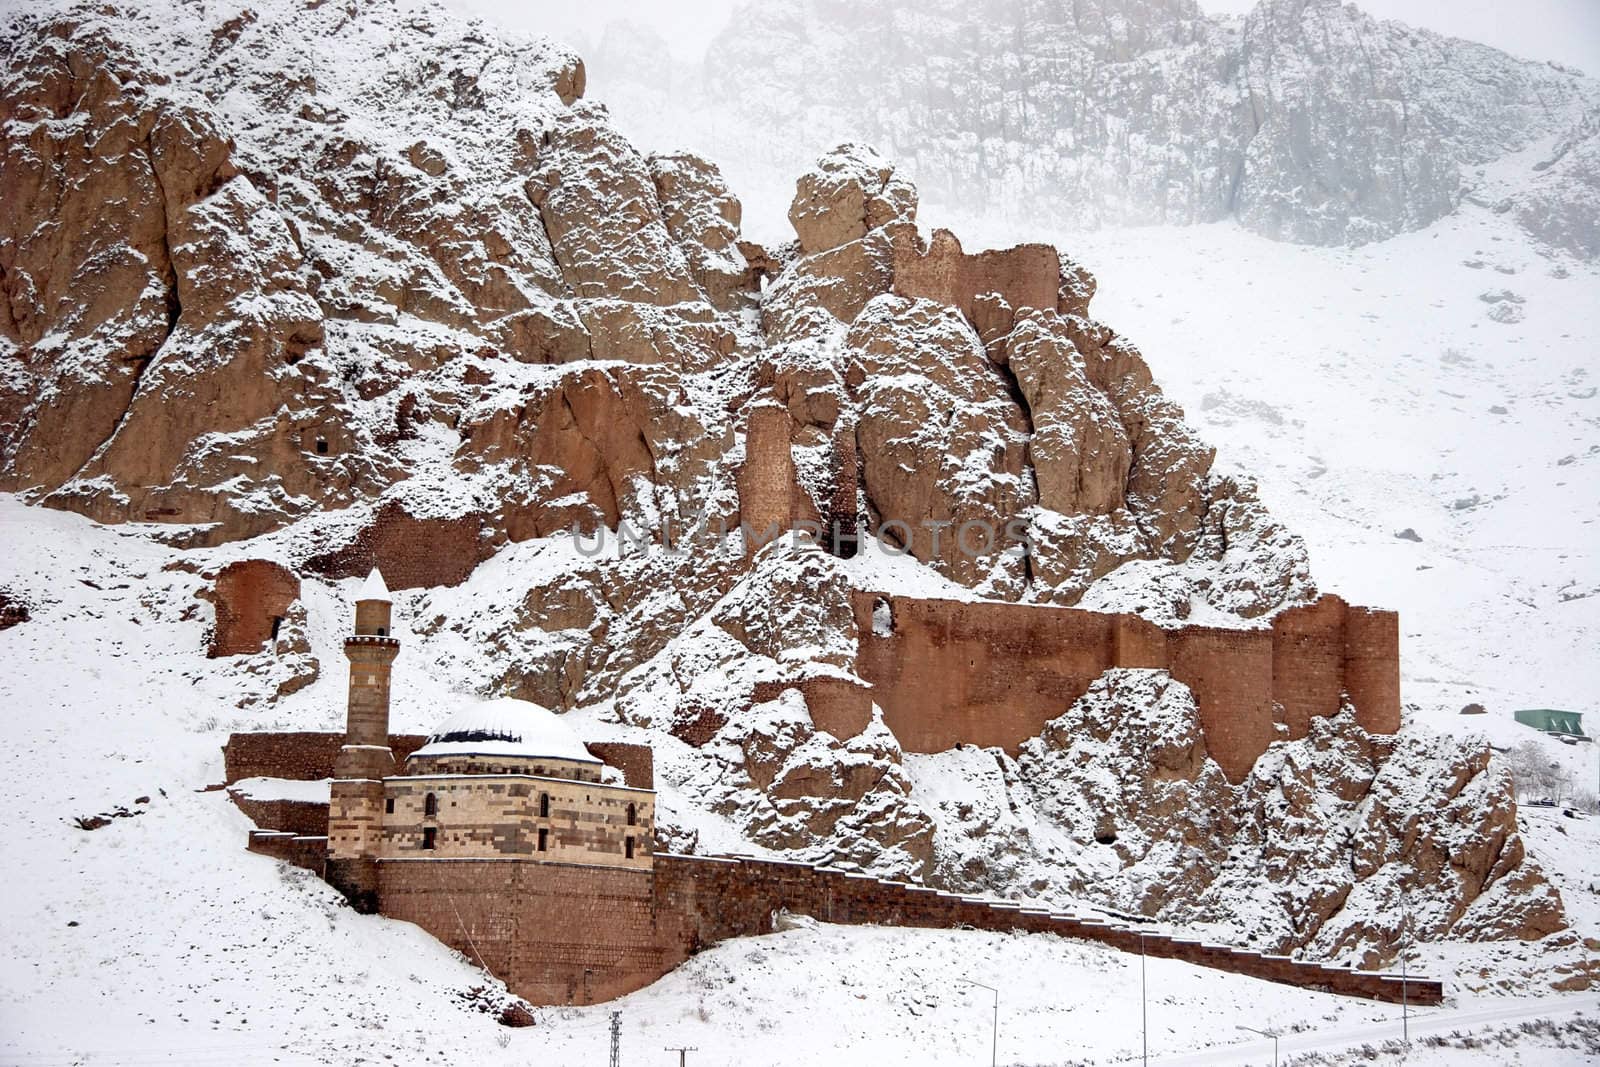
<point x="365" y="284"/>
<point x="1306" y="120"/>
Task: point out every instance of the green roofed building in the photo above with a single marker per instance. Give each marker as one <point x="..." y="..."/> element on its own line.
<point x="1551" y="721"/>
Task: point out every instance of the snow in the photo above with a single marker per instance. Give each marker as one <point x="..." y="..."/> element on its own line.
<point x="505" y="727"/>
<point x="309" y="792"/>
<point x="373" y="588"/>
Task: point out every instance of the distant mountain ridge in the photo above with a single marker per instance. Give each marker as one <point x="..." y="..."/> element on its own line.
<point x="1307" y="120"/>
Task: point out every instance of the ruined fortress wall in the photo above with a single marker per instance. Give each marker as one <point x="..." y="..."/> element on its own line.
<point x="955" y="672"/>
<point x="1026" y="276"/>
<point x="952" y="672"/>
<point x="766" y="478"/>
<point x="636" y="762"/>
<point x="303" y="756"/>
<point x="555" y="933"/>
<point x="1372" y="668"/>
<point x="250" y="596"/>
<point x="306" y="756"/>
<point x="412" y="552"/>
<point x="1230" y="674"/>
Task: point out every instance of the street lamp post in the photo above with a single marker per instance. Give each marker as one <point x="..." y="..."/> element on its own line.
<point x="1267" y="1033"/>
<point x="1144" y="1009"/>
<point x="994" y="1038"/>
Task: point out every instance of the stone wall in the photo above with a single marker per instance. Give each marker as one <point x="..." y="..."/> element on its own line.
<point x="308" y="851"/>
<point x="411" y="552"/>
<point x="636" y="762"/>
<point x="701" y="901"/>
<point x="251" y="597"/>
<point x="490" y="816"/>
<point x="1025" y="276"/>
<point x="554" y="933"/>
<point x="561" y="933"/>
<point x="984" y="673"/>
<point x="303" y="817"/>
<point x="766" y="478"/>
<point x="304" y="756"/>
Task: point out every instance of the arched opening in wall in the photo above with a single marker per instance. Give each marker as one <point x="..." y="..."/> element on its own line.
<point x="430" y="838"/>
<point x="544" y="840"/>
<point x="430" y="805"/>
<point x="388" y="805"/>
<point x="383" y="631"/>
<point x="882" y="618"/>
<point x="1105" y="831"/>
<point x="322" y="446"/>
<point x="277" y="624"/>
<point x="633" y="814"/>
<point x="627" y="848"/>
<point x="544" y="808"/>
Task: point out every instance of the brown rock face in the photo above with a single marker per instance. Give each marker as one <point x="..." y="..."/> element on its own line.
<point x="942" y="442"/>
<point x="252" y="599"/>
<point x="851" y="191"/>
<point x="595" y="446"/>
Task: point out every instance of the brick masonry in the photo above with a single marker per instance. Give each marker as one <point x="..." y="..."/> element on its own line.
<point x="955" y="672"/>
<point x="251" y="596"/>
<point x="1025" y="276"/>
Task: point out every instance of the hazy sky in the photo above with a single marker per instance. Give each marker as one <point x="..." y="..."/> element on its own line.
<point x="1564" y="30"/>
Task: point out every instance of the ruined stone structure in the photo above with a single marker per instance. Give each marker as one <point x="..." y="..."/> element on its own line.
<point x="534" y="855"/>
<point x="252" y="599"/>
<point x="952" y="672"/>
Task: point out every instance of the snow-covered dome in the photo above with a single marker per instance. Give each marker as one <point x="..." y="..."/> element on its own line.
<point x="505" y="727"/>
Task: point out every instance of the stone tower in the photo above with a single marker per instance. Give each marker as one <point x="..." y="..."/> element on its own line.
<point x="355" y="811"/>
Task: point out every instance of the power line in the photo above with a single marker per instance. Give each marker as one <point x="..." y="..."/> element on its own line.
<point x="683" y="1051"/>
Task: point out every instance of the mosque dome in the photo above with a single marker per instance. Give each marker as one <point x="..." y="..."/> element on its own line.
<point x="502" y="728"/>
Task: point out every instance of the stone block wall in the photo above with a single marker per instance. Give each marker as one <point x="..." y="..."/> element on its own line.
<point x="489" y="816"/>
<point x="555" y="933"/>
<point x="985" y="673"/>
<point x="302" y="756"/>
<point x="251" y="597"/>
<point x="766" y="478"/>
<point x="307" y="818"/>
<point x="701" y="901"/>
<point x="307" y="851"/>
<point x="307" y="756"/>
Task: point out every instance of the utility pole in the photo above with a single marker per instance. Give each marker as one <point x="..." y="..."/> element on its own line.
<point x="616" y="1039"/>
<point x="683" y="1052"/>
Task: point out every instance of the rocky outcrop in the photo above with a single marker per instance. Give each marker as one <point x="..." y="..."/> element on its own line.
<point x="255" y="292"/>
<point x="1344" y="843"/>
<point x="738" y="684"/>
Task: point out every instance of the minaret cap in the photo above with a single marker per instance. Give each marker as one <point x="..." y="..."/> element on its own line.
<point x="373" y="588"/>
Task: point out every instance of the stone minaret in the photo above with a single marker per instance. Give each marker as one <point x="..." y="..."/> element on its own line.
<point x="355" y="811"/>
